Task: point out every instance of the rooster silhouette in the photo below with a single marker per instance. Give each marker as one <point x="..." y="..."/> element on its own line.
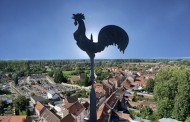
<point x="108" y="35"/>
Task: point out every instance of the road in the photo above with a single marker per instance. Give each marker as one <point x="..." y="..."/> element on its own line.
<point x="15" y="89"/>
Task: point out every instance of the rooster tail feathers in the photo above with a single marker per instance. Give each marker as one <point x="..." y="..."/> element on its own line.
<point x="110" y="35"/>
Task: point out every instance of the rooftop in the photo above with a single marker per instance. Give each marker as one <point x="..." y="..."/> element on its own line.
<point x="22" y="118"/>
<point x="69" y="118"/>
<point x="38" y="98"/>
<point x="39" y="106"/>
<point x="76" y="108"/>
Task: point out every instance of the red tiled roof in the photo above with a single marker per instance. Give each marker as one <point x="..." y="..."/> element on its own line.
<point x="76" y="108"/>
<point x="100" y="111"/>
<point x="101" y="108"/>
<point x="49" y="116"/>
<point x="108" y="85"/>
<point x="39" y="106"/>
<point x="22" y="118"/>
<point x="124" y="115"/>
<point x="112" y="101"/>
<point x="69" y="118"/>
<point x="69" y="101"/>
<point x="126" y="84"/>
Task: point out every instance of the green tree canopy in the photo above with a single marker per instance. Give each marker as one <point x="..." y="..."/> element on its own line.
<point x="51" y="73"/>
<point x="16" y="80"/>
<point x="150" y="85"/>
<point x="171" y="92"/>
<point x="59" y="78"/>
<point x="20" y="102"/>
<point x="187" y="119"/>
<point x="146" y="112"/>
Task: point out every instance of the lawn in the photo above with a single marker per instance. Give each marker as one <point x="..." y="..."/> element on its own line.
<point x="68" y="72"/>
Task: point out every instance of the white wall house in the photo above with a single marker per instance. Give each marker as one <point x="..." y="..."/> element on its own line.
<point x="81" y="116"/>
<point x="52" y="95"/>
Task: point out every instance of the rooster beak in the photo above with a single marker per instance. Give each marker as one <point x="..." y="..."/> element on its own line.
<point x="73" y="16"/>
<point x="75" y="23"/>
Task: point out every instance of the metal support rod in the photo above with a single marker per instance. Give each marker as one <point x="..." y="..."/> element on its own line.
<point x="93" y="115"/>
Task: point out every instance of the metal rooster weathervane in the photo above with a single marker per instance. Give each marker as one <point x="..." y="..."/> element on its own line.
<point x="108" y="35"/>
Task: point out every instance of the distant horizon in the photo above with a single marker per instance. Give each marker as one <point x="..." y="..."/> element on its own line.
<point x="159" y="58"/>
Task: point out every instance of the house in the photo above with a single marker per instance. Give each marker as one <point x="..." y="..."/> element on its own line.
<point x="48" y="116"/>
<point x="105" y="110"/>
<point x="22" y="118"/>
<point x="70" y="108"/>
<point x="126" y="84"/>
<point x="123" y="117"/>
<point x="113" y="81"/>
<point x="108" y="87"/>
<point x="60" y="109"/>
<point x="112" y="101"/>
<point x="140" y="81"/>
<point x="120" y="93"/>
<point x="36" y="98"/>
<point x="120" y="78"/>
<point x="69" y="118"/>
<point x="38" y="108"/>
<point x="103" y="113"/>
<point x="131" y="79"/>
<point x="87" y="109"/>
<point x="69" y="101"/>
<point x="78" y="110"/>
<point x="100" y="93"/>
<point x="6" y="99"/>
<point x="52" y="95"/>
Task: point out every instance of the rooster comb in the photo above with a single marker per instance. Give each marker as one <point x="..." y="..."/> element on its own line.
<point x="78" y="16"/>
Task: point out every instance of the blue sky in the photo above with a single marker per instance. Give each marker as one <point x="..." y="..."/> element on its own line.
<point x="43" y="29"/>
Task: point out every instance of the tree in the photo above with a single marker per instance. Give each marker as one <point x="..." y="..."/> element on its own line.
<point x="150" y="85"/>
<point x="20" y="102"/>
<point x="16" y="80"/>
<point x="2" y="104"/>
<point x="86" y="81"/>
<point x="187" y="119"/>
<point x="171" y="92"/>
<point x="59" y="78"/>
<point x="164" y="108"/>
<point x="28" y="112"/>
<point x="33" y="94"/>
<point x="146" y="112"/>
<point x="51" y="73"/>
<point x="182" y="107"/>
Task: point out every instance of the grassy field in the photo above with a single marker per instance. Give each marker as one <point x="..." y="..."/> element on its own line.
<point x="68" y="72"/>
